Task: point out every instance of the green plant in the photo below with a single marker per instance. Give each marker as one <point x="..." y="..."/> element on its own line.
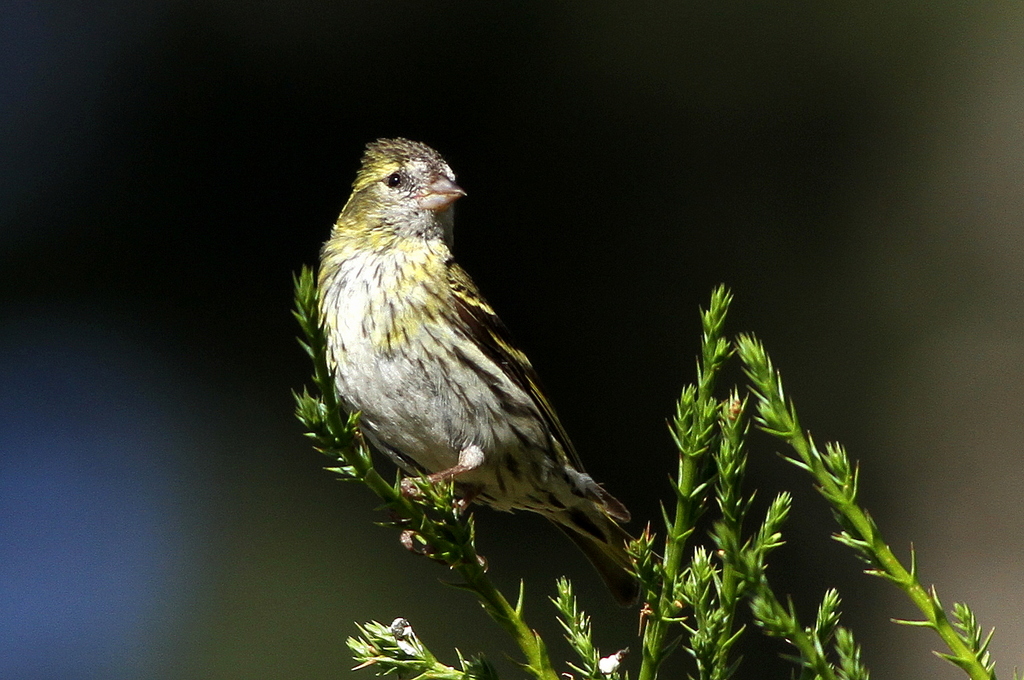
<point x="692" y="588"/>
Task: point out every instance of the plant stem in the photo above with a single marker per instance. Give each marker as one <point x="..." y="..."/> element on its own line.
<point x="693" y="432"/>
<point x="837" y="482"/>
<point x="890" y="566"/>
<point x="510" y="618"/>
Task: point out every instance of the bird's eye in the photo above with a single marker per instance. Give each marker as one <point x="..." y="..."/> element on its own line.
<point x="394" y="179"/>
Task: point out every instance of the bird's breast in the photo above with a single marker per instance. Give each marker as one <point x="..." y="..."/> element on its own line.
<point x="424" y="386"/>
<point x="382" y="302"/>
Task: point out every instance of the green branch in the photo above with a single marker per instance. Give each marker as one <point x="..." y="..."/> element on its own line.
<point x="397" y="649"/>
<point x="692" y="590"/>
<point x="576" y="624"/>
<point x="694" y="430"/>
<point x="837" y="481"/>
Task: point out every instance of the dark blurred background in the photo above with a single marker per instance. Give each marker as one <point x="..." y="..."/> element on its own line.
<point x="852" y="172"/>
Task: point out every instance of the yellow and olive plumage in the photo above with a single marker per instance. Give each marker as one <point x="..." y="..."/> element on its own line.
<point x="423" y="357"/>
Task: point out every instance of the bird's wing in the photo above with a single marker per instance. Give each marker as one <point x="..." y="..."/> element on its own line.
<point x="494" y="340"/>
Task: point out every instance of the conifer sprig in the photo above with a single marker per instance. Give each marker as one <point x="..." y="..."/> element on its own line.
<point x="837" y="480"/>
<point x="695" y="585"/>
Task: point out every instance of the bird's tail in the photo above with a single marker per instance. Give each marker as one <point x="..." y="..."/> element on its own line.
<point x="603" y="541"/>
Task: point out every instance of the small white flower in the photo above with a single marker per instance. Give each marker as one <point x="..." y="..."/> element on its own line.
<point x="610" y="664"/>
<point x="401" y="629"/>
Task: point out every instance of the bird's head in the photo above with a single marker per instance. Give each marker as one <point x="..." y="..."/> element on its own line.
<point x="406" y="187"/>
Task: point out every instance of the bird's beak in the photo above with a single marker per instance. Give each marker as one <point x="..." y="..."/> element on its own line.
<point x="440" y="194"/>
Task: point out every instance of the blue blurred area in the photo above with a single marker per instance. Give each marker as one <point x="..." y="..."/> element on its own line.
<point x="100" y="503"/>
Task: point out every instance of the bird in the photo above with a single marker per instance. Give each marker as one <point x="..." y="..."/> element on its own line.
<point x="440" y="386"/>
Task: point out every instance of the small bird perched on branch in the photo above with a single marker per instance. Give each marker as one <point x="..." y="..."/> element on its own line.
<point x="421" y="355"/>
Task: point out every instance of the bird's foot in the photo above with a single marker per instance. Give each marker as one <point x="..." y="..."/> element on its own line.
<point x="470" y="458"/>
